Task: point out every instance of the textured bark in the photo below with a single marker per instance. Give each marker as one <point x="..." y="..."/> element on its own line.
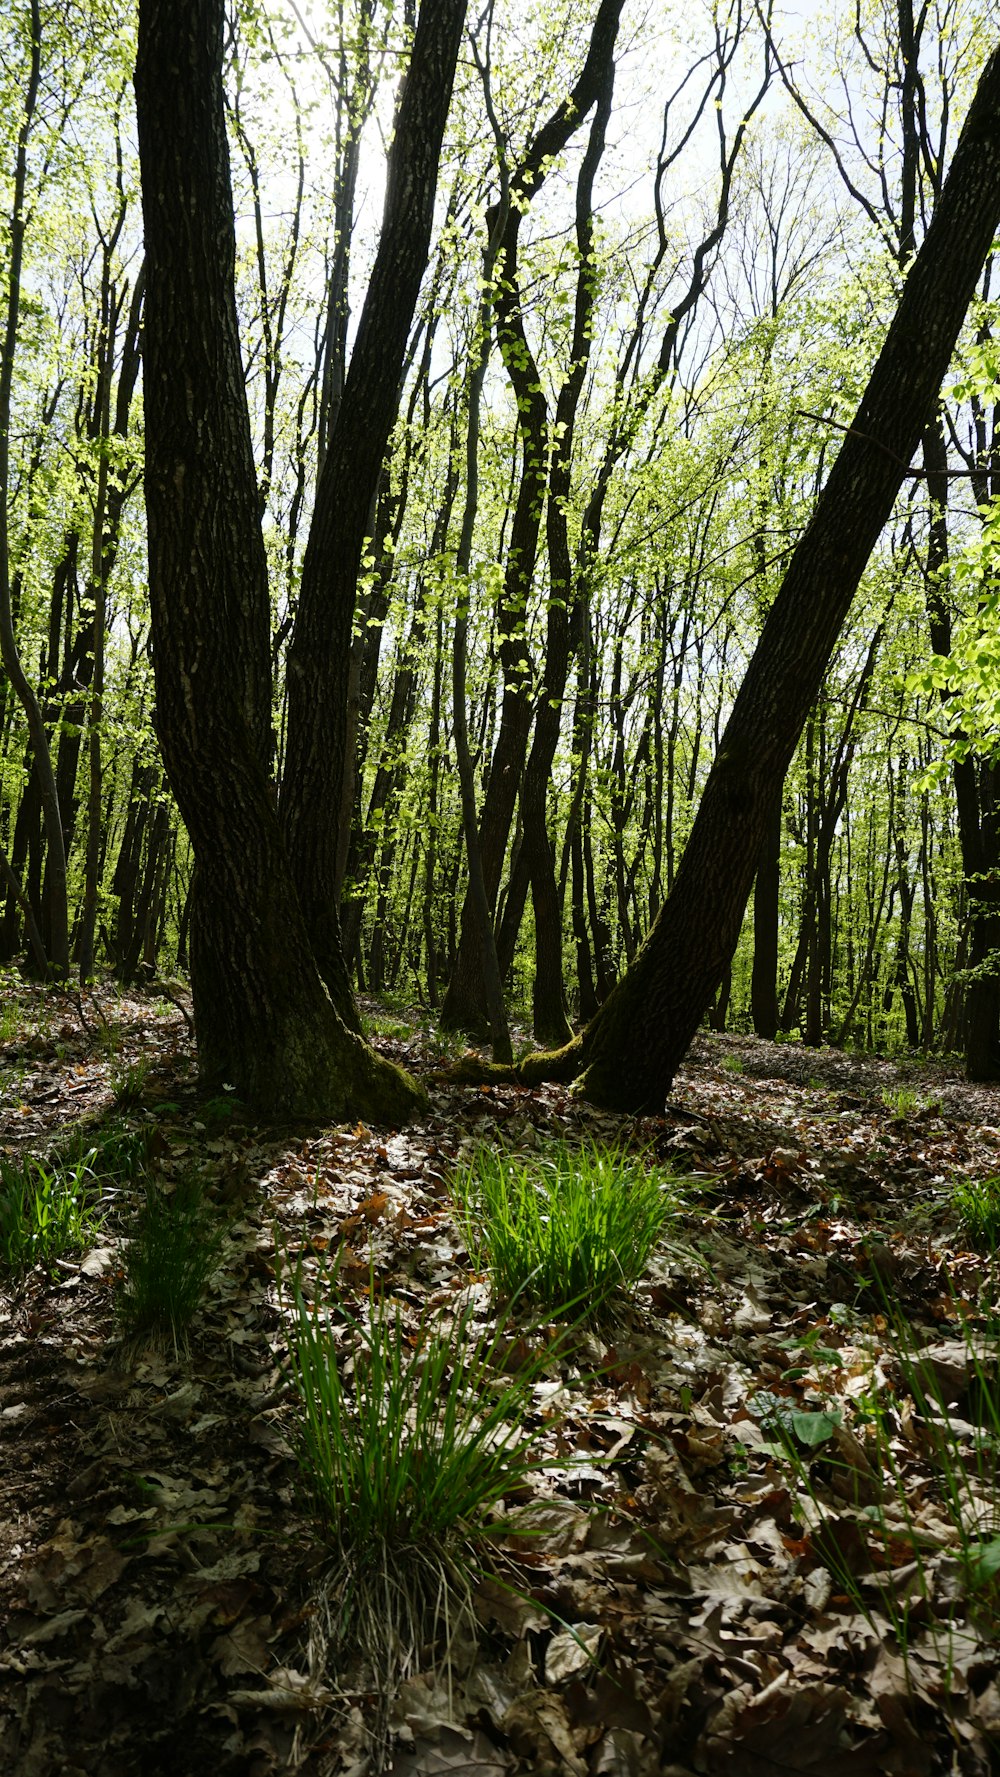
<point x="263" y="1021"/>
<point x="629" y="1051"/>
<point x="320" y="649"/>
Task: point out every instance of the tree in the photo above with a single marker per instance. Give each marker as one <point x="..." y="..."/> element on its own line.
<point x="629" y="1051"/>
<point x="319" y="652"/>
<point x="264" y="1021"/>
<point x="58" y="946"/>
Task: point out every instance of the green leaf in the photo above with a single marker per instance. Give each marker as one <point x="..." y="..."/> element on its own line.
<point x="986" y="1561"/>
<point x="813" y="1429"/>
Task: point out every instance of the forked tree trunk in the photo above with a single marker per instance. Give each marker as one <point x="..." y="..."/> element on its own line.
<point x="263" y="1020"/>
<point x="629" y="1051"/>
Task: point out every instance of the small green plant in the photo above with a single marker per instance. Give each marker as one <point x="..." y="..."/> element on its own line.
<point x="732" y="1064"/>
<point x="10" y="1019"/>
<point x="173" y="1246"/>
<point x="406" y="1447"/>
<point x="217" y="1113"/>
<point x="382" y="1026"/>
<point x="112" y="1151"/>
<point x="109" y="1036"/>
<point x="45" y="1211"/>
<point x="566" y="1225"/>
<point x="889" y="1535"/>
<point x="977" y="1202"/>
<point x="128" y="1082"/>
<point x="902" y="1103"/>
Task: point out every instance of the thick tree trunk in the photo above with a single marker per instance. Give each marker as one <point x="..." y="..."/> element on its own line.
<point x="629" y="1051"/>
<point x="263" y="1020"/>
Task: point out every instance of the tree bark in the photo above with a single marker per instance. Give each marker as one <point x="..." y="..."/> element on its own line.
<point x="629" y="1051"/>
<point x="10" y="658"/>
<point x="263" y="1021"/>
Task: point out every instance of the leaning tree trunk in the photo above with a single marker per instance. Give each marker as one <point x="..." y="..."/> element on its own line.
<point x="629" y="1051"/>
<point x="263" y="1021"/>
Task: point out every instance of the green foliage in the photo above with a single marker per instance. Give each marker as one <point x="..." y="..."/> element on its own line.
<point x="732" y="1064"/>
<point x="977" y="1202"/>
<point x="45" y="1211"/>
<point x="10" y="1019"/>
<point x="406" y="1448"/>
<point x="173" y="1246"/>
<point x="903" y="1102"/>
<point x="218" y="1113"/>
<point x="888" y="1534"/>
<point x="566" y="1226"/>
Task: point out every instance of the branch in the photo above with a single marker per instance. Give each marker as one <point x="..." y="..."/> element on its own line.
<point x="823" y="419"/>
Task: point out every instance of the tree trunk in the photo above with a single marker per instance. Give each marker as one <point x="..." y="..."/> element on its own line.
<point x="629" y="1051"/>
<point x="320" y="649"/>
<point x="57" y="937"/>
<point x="263" y="1021"/>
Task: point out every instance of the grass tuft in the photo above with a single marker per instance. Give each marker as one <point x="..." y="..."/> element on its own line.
<point x="564" y="1226"/>
<point x="902" y="1102"/>
<point x="129" y="1081"/>
<point x="173" y="1248"/>
<point x="407" y="1445"/>
<point x="46" y="1211"/>
<point x="977" y="1202"/>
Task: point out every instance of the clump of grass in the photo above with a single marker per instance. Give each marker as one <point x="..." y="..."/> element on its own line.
<point x="10" y="1021"/>
<point x="172" y="1249"/>
<point x="977" y="1202"/>
<point x="406" y="1448"/>
<point x="128" y="1082"/>
<point x="903" y="1102"/>
<point x="111" y="1151"/>
<point x="732" y="1064"/>
<point x="564" y="1226"/>
<point x="46" y="1211"/>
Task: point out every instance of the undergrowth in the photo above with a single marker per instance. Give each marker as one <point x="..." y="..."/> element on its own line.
<point x="408" y="1448"/>
<point x="885" y="1550"/>
<point x="977" y="1203"/>
<point x="173" y="1244"/>
<point x="564" y="1225"/>
<point x="46" y="1211"/>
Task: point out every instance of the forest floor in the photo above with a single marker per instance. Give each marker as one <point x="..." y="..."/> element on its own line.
<point x="695" y="1599"/>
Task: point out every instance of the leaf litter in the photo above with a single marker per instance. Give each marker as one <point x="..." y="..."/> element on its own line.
<point x="681" y="1602"/>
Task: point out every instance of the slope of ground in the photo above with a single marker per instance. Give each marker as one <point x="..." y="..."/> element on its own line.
<point x="681" y="1606"/>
